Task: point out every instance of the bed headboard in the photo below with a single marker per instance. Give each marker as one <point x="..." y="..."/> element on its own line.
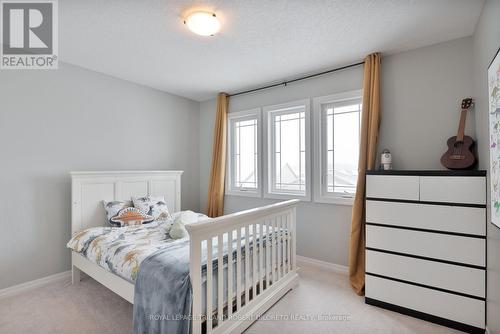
<point x="88" y="189"/>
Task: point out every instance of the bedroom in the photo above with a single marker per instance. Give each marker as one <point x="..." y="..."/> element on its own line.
<point x="133" y="89"/>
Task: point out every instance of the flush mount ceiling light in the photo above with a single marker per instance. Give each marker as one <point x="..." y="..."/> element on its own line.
<point x="203" y="23"/>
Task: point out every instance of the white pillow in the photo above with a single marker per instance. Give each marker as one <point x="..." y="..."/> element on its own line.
<point x="188" y="217"/>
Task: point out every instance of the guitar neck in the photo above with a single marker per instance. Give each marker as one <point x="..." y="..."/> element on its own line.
<point x="461" y="125"/>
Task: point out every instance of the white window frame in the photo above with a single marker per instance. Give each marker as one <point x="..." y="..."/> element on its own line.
<point x="320" y="194"/>
<point x="269" y="156"/>
<point x="231" y="189"/>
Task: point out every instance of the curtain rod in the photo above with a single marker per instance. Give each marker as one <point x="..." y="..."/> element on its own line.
<point x="284" y="83"/>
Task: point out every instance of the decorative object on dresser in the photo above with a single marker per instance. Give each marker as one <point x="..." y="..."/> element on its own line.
<point x="494" y="108"/>
<point x="426" y="245"/>
<point x="460" y="154"/>
<point x="386" y="160"/>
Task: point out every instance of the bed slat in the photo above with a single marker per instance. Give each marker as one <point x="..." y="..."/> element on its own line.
<point x="220" y="278"/>
<point x="261" y="251"/>
<point x="268" y="254"/>
<point x="247" y="265"/>
<point x="288" y="242"/>
<point x="195" y="274"/>
<point x="283" y="244"/>
<point x="255" y="249"/>
<point x="238" y="269"/>
<point x="209" y="285"/>
<point x="278" y="245"/>
<point x="273" y="250"/>
<point x="230" y="273"/>
<point x="293" y="236"/>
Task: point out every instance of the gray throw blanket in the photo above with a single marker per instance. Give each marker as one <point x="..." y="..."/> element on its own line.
<point x="162" y="294"/>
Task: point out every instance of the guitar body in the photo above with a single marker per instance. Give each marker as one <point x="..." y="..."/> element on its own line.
<point x="460" y="147"/>
<point x="460" y="153"/>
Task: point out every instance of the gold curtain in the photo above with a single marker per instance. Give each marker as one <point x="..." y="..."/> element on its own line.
<point x="215" y="206"/>
<point x="370" y="121"/>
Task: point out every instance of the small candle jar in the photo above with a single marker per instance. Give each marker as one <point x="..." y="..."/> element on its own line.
<point x="386" y="160"/>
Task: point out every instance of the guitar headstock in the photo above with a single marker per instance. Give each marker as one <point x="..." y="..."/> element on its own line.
<point x="467" y="103"/>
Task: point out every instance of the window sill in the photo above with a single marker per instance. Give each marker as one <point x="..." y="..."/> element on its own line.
<point x="255" y="194"/>
<point x="335" y="200"/>
<point x="286" y="196"/>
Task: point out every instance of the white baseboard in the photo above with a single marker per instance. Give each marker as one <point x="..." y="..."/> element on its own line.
<point x="14" y="290"/>
<point x="333" y="267"/>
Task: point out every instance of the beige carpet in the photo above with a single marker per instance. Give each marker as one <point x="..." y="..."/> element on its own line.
<point x="91" y="308"/>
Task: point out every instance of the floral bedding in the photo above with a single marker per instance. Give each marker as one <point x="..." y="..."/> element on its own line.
<point x="122" y="249"/>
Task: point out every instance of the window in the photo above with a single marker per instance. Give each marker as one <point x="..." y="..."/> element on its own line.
<point x="288" y="153"/>
<point x="244" y="153"/>
<point x="337" y="136"/>
<point x="285" y="171"/>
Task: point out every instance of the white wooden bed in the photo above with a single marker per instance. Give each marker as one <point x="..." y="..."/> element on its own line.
<point x="271" y="278"/>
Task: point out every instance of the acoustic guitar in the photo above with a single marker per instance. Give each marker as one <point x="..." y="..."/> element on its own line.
<point x="460" y="154"/>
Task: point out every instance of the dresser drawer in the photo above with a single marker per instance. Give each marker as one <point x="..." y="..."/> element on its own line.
<point x="427" y="244"/>
<point x="471" y="190"/>
<point x="392" y="186"/>
<point x="451" y="277"/>
<point x="467" y="220"/>
<point x="446" y="305"/>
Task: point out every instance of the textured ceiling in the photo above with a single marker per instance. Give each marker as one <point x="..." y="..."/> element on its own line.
<point x="261" y="41"/>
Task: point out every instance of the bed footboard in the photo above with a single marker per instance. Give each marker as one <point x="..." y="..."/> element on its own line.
<point x="257" y="249"/>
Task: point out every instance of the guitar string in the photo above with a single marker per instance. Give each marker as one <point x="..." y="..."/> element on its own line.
<point x="457" y="146"/>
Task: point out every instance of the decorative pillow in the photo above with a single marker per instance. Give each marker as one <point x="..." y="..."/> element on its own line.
<point x="113" y="208"/>
<point x="131" y="217"/>
<point x="154" y="206"/>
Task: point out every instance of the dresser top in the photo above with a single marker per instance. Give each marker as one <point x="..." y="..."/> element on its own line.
<point x="428" y="172"/>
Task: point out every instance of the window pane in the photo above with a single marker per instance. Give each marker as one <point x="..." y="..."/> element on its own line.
<point x="329" y="131"/>
<point x="329" y="149"/>
<point x="341" y="123"/>
<point x="329" y="170"/>
<point x="289" y="138"/>
<point x="348" y="108"/>
<point x="346" y="128"/>
<point x="245" y="150"/>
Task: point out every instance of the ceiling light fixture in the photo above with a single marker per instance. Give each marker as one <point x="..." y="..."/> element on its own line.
<point x="203" y="23"/>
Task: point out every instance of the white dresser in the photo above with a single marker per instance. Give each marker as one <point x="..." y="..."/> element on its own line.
<point x="426" y="245"/>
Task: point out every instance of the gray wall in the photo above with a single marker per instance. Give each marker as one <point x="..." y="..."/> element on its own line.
<point x="485" y="44"/>
<point x="53" y="122"/>
<point x="421" y="91"/>
<point x="421" y="94"/>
